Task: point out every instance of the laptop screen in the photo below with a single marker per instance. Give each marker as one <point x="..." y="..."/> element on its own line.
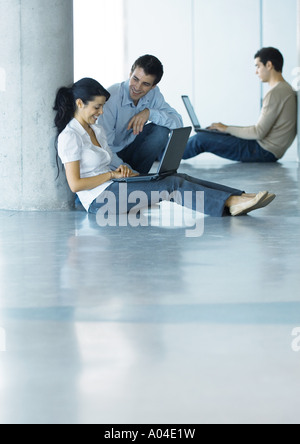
<point x="191" y="112"/>
<point x="174" y="150"/>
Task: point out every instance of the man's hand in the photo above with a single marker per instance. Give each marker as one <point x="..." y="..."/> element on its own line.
<point x="219" y="127"/>
<point x="123" y="171"/>
<point x="138" y="122"/>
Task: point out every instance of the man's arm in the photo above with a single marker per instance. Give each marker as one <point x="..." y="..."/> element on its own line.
<point x="268" y="117"/>
<point x="162" y="114"/>
<point x="138" y="122"/>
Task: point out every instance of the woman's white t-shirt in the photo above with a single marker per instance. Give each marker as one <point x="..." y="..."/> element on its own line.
<point x="74" y="144"/>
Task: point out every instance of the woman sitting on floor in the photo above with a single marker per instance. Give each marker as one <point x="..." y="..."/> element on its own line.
<point x="83" y="149"/>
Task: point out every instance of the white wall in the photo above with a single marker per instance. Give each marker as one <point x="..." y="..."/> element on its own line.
<point x="99" y="44"/>
<point x="207" y="49"/>
<point x="227" y="35"/>
<point x="164" y="28"/>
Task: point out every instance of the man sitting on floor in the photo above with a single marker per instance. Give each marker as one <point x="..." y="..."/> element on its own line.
<point x="275" y="131"/>
<point x="137" y="119"/>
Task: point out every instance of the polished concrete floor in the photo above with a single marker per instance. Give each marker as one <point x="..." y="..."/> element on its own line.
<point x="147" y="326"/>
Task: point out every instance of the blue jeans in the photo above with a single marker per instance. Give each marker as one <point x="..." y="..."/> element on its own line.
<point x="228" y="147"/>
<point x="146" y="148"/>
<point x="215" y="195"/>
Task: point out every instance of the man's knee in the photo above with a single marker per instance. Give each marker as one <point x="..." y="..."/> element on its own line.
<point x="159" y="133"/>
<point x="156" y="137"/>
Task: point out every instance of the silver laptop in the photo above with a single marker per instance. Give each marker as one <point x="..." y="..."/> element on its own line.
<point x="194" y="118"/>
<point x="171" y="158"/>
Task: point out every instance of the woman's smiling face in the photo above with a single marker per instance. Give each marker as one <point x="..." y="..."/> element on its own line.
<point x="88" y="114"/>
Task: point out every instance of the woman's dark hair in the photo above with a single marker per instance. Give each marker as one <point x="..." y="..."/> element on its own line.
<point x="65" y="103"/>
<point x="151" y="65"/>
<point x="271" y="55"/>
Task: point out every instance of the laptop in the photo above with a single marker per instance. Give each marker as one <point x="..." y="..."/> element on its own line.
<point x="194" y="118"/>
<point x="171" y="158"/>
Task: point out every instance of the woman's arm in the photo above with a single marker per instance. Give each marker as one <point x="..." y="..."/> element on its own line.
<point x="76" y="183"/>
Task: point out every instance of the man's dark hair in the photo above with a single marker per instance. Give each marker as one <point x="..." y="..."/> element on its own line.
<point x="151" y="65"/>
<point x="271" y="55"/>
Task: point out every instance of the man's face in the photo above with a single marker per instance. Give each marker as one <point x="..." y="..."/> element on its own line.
<point x="140" y="84"/>
<point x="263" y="72"/>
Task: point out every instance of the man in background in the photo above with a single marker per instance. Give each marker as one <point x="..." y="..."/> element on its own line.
<point x="269" y="139"/>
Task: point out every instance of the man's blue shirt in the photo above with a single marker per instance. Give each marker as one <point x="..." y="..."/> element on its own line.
<point x="120" y="109"/>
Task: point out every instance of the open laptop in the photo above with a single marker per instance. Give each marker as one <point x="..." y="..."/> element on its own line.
<point x="194" y="118"/>
<point x="171" y="158"/>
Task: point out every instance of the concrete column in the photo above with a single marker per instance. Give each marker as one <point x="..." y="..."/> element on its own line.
<point x="36" y="47"/>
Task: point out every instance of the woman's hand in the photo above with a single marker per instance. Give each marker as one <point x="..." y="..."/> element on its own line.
<point x="123" y="171"/>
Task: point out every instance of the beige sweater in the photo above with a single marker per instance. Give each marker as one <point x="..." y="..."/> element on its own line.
<point x="277" y="127"/>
